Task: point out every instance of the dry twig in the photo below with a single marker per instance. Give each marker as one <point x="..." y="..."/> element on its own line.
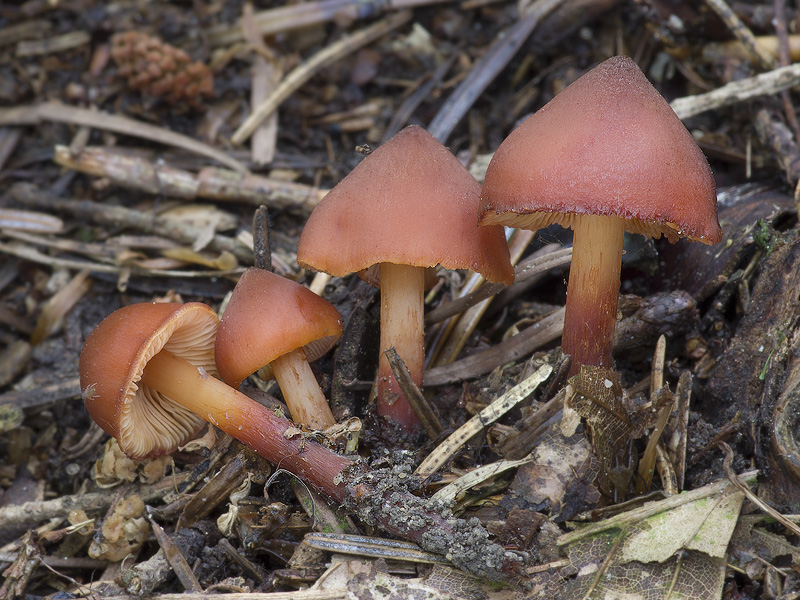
<point x="308" y="69"/>
<point x="61" y="113"/>
<point x="735" y="92"/>
<point x="138" y="173"/>
<point x="485" y="71"/>
<point x="545" y="330"/>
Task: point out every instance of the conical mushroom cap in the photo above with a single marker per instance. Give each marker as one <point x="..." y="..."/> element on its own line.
<point x="410" y="202"/>
<point x="608" y="144"/>
<point x="145" y="422"/>
<point x="267" y="317"/>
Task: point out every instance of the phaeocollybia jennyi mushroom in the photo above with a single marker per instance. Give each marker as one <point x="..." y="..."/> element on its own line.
<point x="271" y="320"/>
<point x="606" y="155"/>
<point x="148" y="378"/>
<point x="408" y="206"/>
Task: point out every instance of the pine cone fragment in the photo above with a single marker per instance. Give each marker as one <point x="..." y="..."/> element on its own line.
<point x="161" y="70"/>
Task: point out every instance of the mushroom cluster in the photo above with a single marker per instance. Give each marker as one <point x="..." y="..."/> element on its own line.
<point x="148" y="377"/>
<point x="149" y="372"/>
<point x="605" y="156"/>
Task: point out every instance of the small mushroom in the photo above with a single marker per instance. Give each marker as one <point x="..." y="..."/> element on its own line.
<point x="606" y="155"/>
<point x="148" y="378"/>
<point x="408" y="206"/>
<point x="271" y="320"/>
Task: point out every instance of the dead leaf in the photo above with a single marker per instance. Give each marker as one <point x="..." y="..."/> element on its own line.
<point x="674" y="548"/>
<point x="559" y="464"/>
<point x="612" y="421"/>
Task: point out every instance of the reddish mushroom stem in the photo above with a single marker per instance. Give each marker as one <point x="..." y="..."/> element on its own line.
<point x="301" y="391"/>
<point x="264" y="432"/>
<point x="593" y="290"/>
<point x="248" y="421"/>
<point x="402" y="327"/>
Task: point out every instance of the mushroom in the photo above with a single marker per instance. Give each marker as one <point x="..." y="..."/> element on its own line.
<point x="408" y="206"/>
<point x="148" y="379"/>
<point x="271" y="320"/>
<point x="605" y="156"/>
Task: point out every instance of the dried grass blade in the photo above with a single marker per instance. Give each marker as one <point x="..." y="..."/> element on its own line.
<point x="486" y="417"/>
<point x="28" y="220"/>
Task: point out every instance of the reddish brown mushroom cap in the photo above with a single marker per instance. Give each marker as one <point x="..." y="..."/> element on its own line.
<point x="410" y="202"/>
<point x="145" y="422"/>
<point x="269" y="316"/>
<point x="608" y="144"/>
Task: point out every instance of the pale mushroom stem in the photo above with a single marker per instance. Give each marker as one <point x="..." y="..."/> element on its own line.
<point x="246" y="420"/>
<point x="301" y="391"/>
<point x="402" y="327"/>
<point x="593" y="290"/>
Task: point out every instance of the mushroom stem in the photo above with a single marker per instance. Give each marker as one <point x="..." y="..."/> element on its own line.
<point x="306" y="401"/>
<point x="248" y="421"/>
<point x="402" y="327"/>
<point x="593" y="290"/>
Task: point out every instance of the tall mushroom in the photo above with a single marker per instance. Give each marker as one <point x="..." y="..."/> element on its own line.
<point x="606" y="155"/>
<point x="148" y="379"/>
<point x="408" y="206"/>
<point x="271" y="320"/>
